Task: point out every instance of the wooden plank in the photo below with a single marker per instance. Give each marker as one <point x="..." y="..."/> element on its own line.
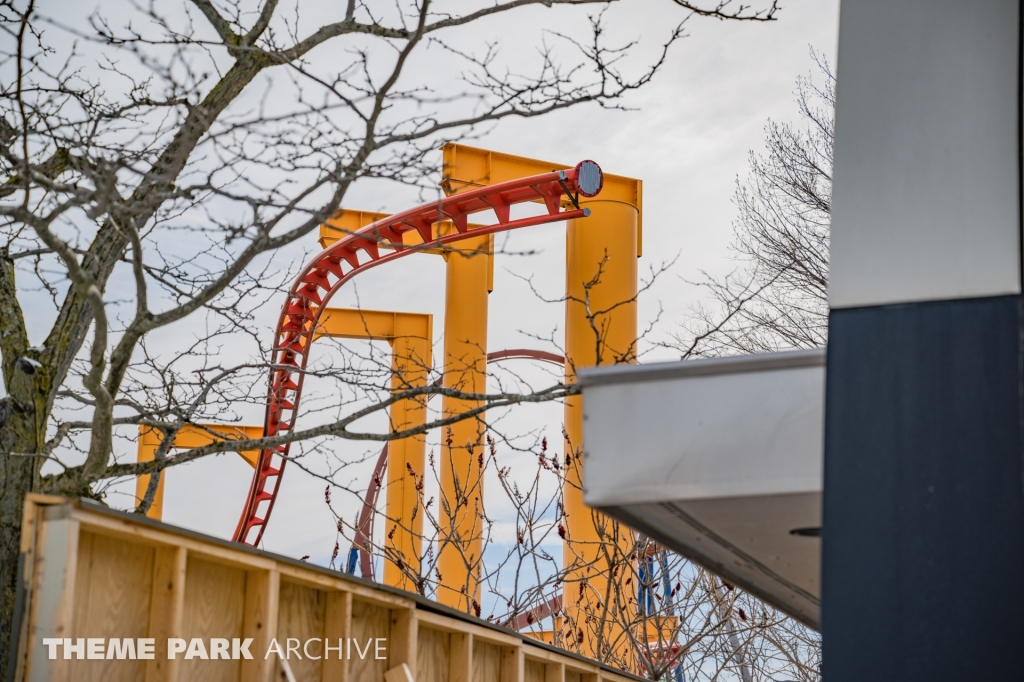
<point x="214" y="607"/>
<point x="606" y="676"/>
<point x="262" y="591"/>
<point x="402" y="646"/>
<point x="369" y="622"/>
<point x="301" y="616"/>
<point x="486" y="661"/>
<point x="337" y="628"/>
<point x="460" y="647"/>
<point x="114" y="586"/>
<point x="573" y="676"/>
<point x="479" y="632"/>
<point x="53" y="588"/>
<point x="581" y="668"/>
<point x="433" y="655"/>
<point x="326" y="582"/>
<point x="533" y="671"/>
<point x="166" y="607"/>
<point x="544" y="655"/>
<point x="124" y="528"/>
<point x="512" y="664"/>
<point x="554" y="672"/>
<point x="29" y="535"/>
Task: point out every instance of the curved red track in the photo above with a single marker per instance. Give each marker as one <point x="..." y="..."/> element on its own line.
<point x="358" y="252"/>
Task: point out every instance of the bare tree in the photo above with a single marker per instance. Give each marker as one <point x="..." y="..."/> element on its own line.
<point x="640" y="607"/>
<point x="777" y="298"/>
<point x="157" y="173"/>
<point x="660" y="616"/>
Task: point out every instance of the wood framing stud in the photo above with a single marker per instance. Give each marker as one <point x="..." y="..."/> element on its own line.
<point x="402" y="647"/>
<point x="166" y="608"/>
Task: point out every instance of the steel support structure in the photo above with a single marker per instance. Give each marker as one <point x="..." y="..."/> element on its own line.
<point x="601" y="286"/>
<point x="469" y="269"/>
<point x="358" y="251"/>
<point x="360" y="554"/>
<point x="465" y="370"/>
<point x="410" y="336"/>
<point x="190" y="436"/>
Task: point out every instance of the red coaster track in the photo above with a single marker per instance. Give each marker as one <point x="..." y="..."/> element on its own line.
<point x="359" y="252"/>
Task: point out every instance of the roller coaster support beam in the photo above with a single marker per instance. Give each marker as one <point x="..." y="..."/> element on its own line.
<point x="357" y="252"/>
<point x="601" y="270"/>
<point x="609" y="243"/>
<point x="469" y="278"/>
<point x="190" y="436"/>
<point x="409" y="335"/>
<point x="463" y="450"/>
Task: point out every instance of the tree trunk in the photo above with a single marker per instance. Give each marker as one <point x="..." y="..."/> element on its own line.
<point x="22" y="432"/>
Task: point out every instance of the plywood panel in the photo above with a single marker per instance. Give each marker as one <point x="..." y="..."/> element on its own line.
<point x="166" y="608"/>
<point x="301" y="615"/>
<point x="433" y="656"/>
<point x="368" y="623"/>
<point x="461" y="657"/>
<point x="533" y="671"/>
<point x="114" y="585"/>
<point x="486" y="661"/>
<point x="259" y="622"/>
<point x="554" y="672"/>
<point x="337" y="629"/>
<point x="214" y="607"/>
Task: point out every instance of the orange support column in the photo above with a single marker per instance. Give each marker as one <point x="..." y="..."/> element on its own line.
<point x="470" y="267"/>
<point x="463" y="449"/>
<point x="149" y="441"/>
<point x="410" y="336"/>
<point x="190" y="436"/>
<point x="410" y="361"/>
<point x="612" y="235"/>
<point x="601" y="285"/>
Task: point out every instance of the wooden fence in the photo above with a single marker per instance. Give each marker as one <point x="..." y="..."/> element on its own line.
<point x="92" y="576"/>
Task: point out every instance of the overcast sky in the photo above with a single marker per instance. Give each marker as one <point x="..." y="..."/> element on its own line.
<point x="687" y="138"/>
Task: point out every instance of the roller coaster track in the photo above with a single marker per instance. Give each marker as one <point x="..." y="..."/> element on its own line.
<point x="359" y="251"/>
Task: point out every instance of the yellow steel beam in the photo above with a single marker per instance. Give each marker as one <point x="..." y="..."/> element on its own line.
<point x="410" y="336"/>
<point x="469" y="278"/>
<point x="374" y="325"/>
<point x="348" y="221"/>
<point x="606" y="243"/>
<point x="465" y="370"/>
<point x="190" y="436"/>
<point x="466" y="167"/>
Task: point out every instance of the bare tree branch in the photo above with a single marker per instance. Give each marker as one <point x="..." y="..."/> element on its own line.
<point x="778" y="298"/>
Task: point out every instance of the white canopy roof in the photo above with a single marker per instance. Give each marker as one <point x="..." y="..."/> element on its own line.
<point x="720" y="460"/>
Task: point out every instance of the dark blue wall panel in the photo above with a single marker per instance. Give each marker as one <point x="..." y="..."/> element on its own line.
<point x="923" y="540"/>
